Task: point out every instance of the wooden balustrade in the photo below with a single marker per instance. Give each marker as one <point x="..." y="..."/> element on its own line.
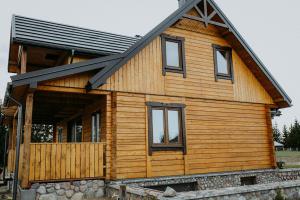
<point x="62" y="161"/>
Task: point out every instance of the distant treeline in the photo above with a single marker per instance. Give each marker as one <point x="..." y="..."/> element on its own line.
<point x="289" y="136"/>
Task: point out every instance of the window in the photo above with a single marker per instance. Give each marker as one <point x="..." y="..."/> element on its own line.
<point x="60" y="134"/>
<point x="96" y="127"/>
<point x="248" y="180"/>
<point x="223" y="62"/>
<point x="75" y="130"/>
<point x="166" y="126"/>
<point x="173" y="54"/>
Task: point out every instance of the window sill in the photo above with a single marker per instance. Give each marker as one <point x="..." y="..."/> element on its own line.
<point x="167" y="148"/>
<point x="175" y="70"/>
<point x="224" y="77"/>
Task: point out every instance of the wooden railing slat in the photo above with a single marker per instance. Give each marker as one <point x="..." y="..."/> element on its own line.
<point x="48" y="161"/>
<point x="32" y="162"/>
<point x="43" y="162"/>
<point x="65" y="161"/>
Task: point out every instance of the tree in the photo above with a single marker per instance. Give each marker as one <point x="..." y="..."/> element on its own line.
<point x="294" y="136"/>
<point x="285" y="138"/>
<point x="42" y="133"/>
<point x="276" y="133"/>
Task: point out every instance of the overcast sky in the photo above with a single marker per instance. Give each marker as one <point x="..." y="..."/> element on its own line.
<point x="271" y="27"/>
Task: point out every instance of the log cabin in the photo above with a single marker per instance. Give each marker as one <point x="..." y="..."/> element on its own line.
<point x="190" y="97"/>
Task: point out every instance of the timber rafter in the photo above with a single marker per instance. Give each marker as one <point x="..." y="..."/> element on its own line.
<point x="207" y="15"/>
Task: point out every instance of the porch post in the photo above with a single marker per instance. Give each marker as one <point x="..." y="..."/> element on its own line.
<point x="27" y="140"/>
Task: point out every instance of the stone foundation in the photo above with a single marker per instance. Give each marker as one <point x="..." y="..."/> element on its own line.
<point x="220" y="180"/>
<point x="290" y="190"/>
<point x="217" y="186"/>
<point x="75" y="190"/>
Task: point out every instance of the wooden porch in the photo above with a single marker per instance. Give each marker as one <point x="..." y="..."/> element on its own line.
<point x="62" y="161"/>
<point x="65" y="158"/>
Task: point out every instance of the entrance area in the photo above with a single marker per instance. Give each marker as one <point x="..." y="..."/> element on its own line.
<point x="67" y="137"/>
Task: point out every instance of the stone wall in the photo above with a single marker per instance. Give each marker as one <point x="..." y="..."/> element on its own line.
<point x="290" y="190"/>
<point x="220" y="180"/>
<point x="76" y="190"/>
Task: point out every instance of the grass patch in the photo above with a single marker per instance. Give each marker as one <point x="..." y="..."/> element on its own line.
<point x="291" y="158"/>
<point x="293" y="154"/>
<point x="292" y="166"/>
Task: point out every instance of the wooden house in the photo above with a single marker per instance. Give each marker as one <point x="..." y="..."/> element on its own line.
<point x="190" y="97"/>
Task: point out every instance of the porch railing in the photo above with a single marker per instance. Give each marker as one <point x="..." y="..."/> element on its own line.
<point x="61" y="161"/>
<point x="11" y="160"/>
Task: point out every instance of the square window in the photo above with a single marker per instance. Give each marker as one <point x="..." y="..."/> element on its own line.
<point x="173" y="54"/>
<point x="166" y="126"/>
<point x="223" y="63"/>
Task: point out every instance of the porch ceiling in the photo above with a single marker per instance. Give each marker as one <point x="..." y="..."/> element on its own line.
<point x="50" y="108"/>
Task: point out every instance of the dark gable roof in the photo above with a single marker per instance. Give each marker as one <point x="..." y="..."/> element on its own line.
<point x="43" y="33"/>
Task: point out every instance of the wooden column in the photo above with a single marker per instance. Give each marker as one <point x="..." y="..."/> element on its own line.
<point x="23" y="60"/>
<point x="27" y="140"/>
<point x="14" y="134"/>
<point x="270" y="135"/>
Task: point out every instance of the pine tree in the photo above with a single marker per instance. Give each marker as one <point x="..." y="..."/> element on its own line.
<point x="276" y="133"/>
<point x="285" y="138"/>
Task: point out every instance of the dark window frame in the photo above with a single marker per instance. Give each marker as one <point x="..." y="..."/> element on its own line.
<point x="60" y="134"/>
<point x="181" y="145"/>
<point x="228" y="51"/>
<point x="181" y="53"/>
<point x="94" y="114"/>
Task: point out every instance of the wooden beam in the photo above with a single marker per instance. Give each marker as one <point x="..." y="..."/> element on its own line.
<point x="193" y="18"/>
<point x="26" y="141"/>
<point x="199" y="11"/>
<point x="218" y="24"/>
<point x="205" y="13"/>
<point x="23" y="60"/>
<point x="270" y="136"/>
<point x="70" y="90"/>
<point x="212" y="15"/>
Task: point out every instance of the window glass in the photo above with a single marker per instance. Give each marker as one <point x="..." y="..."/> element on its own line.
<point x="222" y="62"/>
<point x="158" y="126"/>
<point x="173" y="126"/>
<point x="60" y="134"/>
<point x="172" y="54"/>
<point x="96" y="127"/>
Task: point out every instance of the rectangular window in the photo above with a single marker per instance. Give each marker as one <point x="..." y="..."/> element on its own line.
<point x="60" y="134"/>
<point x="173" y="54"/>
<point x="75" y="130"/>
<point x="166" y="126"/>
<point x="96" y="127"/>
<point x="223" y="62"/>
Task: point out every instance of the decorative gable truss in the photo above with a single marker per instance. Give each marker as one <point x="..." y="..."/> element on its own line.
<point x="205" y="12"/>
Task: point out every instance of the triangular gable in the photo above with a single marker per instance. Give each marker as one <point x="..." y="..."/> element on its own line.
<point x="208" y="13"/>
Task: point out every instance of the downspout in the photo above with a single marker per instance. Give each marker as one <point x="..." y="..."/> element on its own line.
<point x="16" y="174"/>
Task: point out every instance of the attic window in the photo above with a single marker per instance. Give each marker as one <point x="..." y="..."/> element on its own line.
<point x="223" y="62"/>
<point x="52" y="57"/>
<point x="173" y="54"/>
